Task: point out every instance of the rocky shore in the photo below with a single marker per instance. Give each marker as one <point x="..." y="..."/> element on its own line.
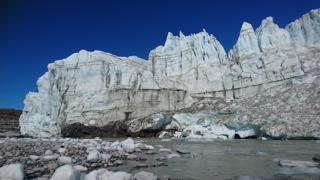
<point x="98" y="159"/>
<point x="89" y="159"/>
<point x="125" y="159"/>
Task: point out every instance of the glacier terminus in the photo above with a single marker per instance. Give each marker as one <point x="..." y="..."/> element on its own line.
<point x="267" y="85"/>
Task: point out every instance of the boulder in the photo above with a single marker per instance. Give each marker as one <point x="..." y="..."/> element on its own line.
<point x="96" y="174"/>
<point x="93" y="155"/>
<point x="316" y="158"/>
<point x="128" y="145"/>
<point x="143" y="175"/>
<point x="12" y="172"/>
<point x="66" y="172"/>
<point x="106" y="157"/>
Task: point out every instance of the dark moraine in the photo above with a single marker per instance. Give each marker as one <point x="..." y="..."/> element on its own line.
<point x="9" y="122"/>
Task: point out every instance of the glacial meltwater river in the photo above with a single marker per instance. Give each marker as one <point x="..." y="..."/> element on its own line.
<point x="231" y="159"/>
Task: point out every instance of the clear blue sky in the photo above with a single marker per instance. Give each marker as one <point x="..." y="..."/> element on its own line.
<point x="34" y="33"/>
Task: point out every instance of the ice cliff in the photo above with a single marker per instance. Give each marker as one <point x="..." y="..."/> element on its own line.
<point x="97" y="93"/>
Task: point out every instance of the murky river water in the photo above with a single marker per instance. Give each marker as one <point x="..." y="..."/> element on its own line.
<point x="229" y="159"/>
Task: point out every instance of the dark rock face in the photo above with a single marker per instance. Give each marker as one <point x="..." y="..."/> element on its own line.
<point x="80" y="130"/>
<point x="9" y="122"/>
<point x="116" y="129"/>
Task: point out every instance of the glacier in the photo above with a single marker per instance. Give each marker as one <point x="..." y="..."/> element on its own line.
<point x="188" y="87"/>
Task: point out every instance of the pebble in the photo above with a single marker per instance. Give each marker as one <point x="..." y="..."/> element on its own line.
<point x="132" y="157"/>
<point x="65" y="160"/>
<point x="50" y="157"/>
<point x="164" y="150"/>
<point x="150" y="152"/>
<point x="52" y="166"/>
<point x="115" y="144"/>
<point x="141" y="165"/>
<point x="118" y="162"/>
<point x="110" y="164"/>
<point x="182" y="151"/>
<point x="142" y="159"/>
<point x="138" y="150"/>
<point x="144" y="146"/>
<point x="161" y="158"/>
<point x="34" y="157"/>
<point x="35" y="171"/>
<point x="80" y="168"/>
<point x="261" y="153"/>
<point x="115" y="154"/>
<point x="170" y="156"/>
<point x="61" y="150"/>
<point x="95" y="165"/>
<point x="159" y="164"/>
<point x="48" y="152"/>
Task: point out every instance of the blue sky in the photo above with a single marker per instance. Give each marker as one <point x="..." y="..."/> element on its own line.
<point x="34" y="33"/>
